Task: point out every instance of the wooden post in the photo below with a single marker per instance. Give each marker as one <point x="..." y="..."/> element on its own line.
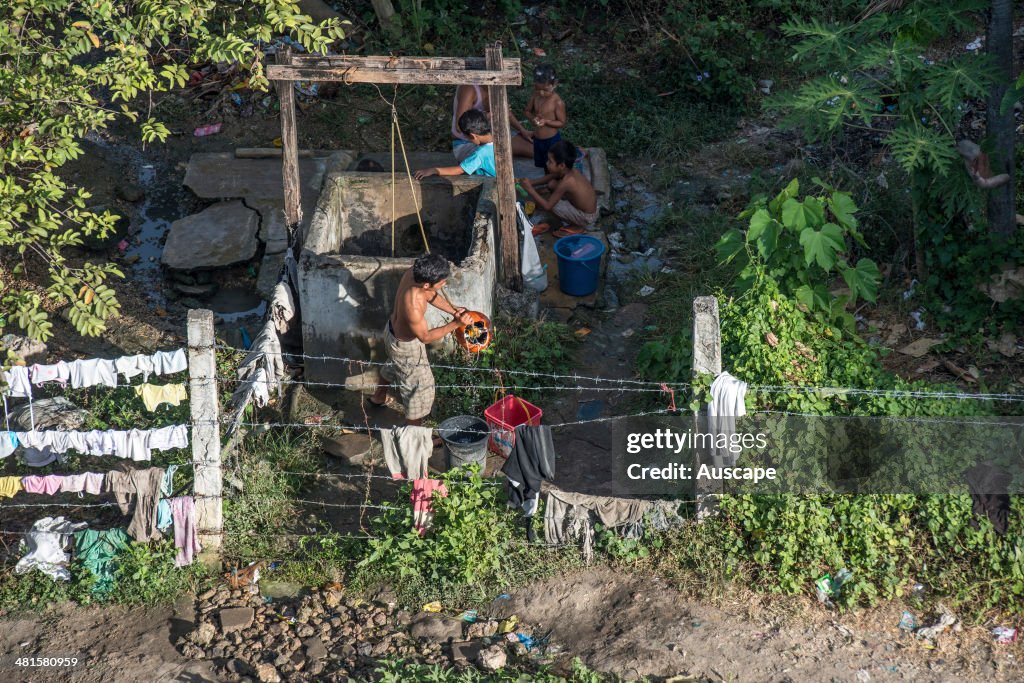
<point x="707" y="359"/>
<point x="508" y="232"/>
<point x="202" y="370"/>
<point x="289" y="150"/>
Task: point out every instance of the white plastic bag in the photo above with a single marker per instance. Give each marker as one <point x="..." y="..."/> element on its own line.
<point x="534" y="272"/>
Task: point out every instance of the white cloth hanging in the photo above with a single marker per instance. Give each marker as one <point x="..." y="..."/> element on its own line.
<point x="44" y="547"/>
<point x="132" y="366"/>
<point x="282" y="306"/>
<point x="727" y="403"/>
<point x="134" y="444"/>
<point x="58" y="372"/>
<point x="92" y="372"/>
<point x="17" y="379"/>
<point x="169" y="362"/>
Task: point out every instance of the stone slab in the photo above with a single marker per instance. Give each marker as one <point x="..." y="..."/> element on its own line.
<point x="270" y="271"/>
<point x="352" y="448"/>
<point x="219" y="175"/>
<point x="219" y="236"/>
<point x="236" y="619"/>
<point x="272" y="225"/>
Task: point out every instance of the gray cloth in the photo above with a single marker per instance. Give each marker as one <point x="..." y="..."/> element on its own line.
<point x="407" y="450"/>
<point x="137" y="492"/>
<point x="567" y="517"/>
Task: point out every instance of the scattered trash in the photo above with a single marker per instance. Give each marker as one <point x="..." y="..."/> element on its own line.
<point x="863" y="676"/>
<point x="910" y="290"/>
<point x="246" y="576"/>
<point x="530" y="207"/>
<point x="526" y="640"/>
<point x="508" y="625"/>
<point x="267" y="600"/>
<point x="765" y="86"/>
<point x="907" y="622"/>
<point x="628" y="333"/>
<point x="918" y="322"/>
<point x="828" y="587"/>
<point x="975" y="44"/>
<point x="504" y="596"/>
<point x="314" y="420"/>
<point x="1004" y="635"/>
<point x="209" y="129"/>
<point x="276" y="142"/>
<point x="122" y="245"/>
<point x="668" y="270"/>
<point x="932" y="632"/>
<point x="696" y="624"/>
<point x="237" y="99"/>
<point x="583" y="332"/>
<point x="646" y="290"/>
<point x="539" y="52"/>
<point x="469" y="615"/>
<point x="432" y="607"/>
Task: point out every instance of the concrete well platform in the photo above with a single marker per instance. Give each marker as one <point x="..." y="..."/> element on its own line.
<point x="348" y="276"/>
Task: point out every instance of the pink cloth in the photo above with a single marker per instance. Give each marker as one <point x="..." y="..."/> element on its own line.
<point x="186" y="538"/>
<point x="89" y="482"/>
<point x="422" y="495"/>
<point x="48" y="484"/>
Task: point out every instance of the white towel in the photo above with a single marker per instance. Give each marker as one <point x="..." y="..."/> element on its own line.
<point x="93" y="372"/>
<point x="17" y="379"/>
<point x="139" y="364"/>
<point x="169" y="362"/>
<point x="727" y="403"/>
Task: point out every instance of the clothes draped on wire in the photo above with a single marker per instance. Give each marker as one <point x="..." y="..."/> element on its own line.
<point x="531" y="460"/>
<point x="186" y="536"/>
<point x="727" y="403"/>
<point x="137" y="493"/>
<point x="8" y="443"/>
<point x="407" y="451"/>
<point x="153" y="395"/>
<point x="135" y="444"/>
<point x="97" y="550"/>
<point x="44" y="546"/>
<point x="422" y="502"/>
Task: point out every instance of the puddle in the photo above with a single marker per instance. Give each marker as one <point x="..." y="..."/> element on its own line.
<point x="236" y="303"/>
<point x="164" y="202"/>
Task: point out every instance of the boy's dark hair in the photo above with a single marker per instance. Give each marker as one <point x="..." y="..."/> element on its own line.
<point x="474" y="121"/>
<point x="564" y="152"/>
<point x="544" y="74"/>
<point x="430" y="269"/>
<point x="369" y="165"/>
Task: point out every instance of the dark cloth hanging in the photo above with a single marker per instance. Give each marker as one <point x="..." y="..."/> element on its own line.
<point x="989" y="484"/>
<point x="531" y="460"/>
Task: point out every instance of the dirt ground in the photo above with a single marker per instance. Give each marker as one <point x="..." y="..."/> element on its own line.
<point x="628" y="624"/>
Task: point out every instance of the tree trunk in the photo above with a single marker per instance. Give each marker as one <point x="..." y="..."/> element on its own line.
<point x="999" y="42"/>
<point x="385" y="12"/>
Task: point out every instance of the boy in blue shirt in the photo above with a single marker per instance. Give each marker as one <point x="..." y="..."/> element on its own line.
<point x="475" y="126"/>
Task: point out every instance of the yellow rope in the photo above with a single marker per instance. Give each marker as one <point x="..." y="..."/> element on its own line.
<point x="394" y="183"/>
<point x="408" y="174"/>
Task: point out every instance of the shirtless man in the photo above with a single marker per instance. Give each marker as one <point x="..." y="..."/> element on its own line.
<point x="406" y="336"/>
<point x="571" y="197"/>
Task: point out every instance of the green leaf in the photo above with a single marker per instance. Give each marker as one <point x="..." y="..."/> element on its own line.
<point x="798" y="215"/>
<point x="863" y="279"/>
<point x="843" y="207"/>
<point x="821" y="246"/>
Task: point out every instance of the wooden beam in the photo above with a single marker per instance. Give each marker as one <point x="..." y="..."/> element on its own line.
<point x="409" y="70"/>
<point x="505" y="180"/>
<point x="289" y="151"/>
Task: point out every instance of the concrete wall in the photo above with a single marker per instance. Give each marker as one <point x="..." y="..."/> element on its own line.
<point x="346" y="299"/>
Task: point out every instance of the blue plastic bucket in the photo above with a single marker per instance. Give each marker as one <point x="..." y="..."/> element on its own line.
<point x="579" y="264"/>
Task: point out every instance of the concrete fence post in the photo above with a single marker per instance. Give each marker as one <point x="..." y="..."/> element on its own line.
<point x="707" y="359"/>
<point x="202" y="369"/>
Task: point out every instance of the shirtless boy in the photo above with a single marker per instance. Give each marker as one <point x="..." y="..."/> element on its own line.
<point x="571" y="196"/>
<point x="406" y="336"/>
<point x="547" y="112"/>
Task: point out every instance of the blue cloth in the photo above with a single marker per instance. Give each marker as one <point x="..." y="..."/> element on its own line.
<point x="8" y="443"/>
<point x="167" y="485"/>
<point x="480" y="162"/>
<point x="164" y="518"/>
<point x="541" y="148"/>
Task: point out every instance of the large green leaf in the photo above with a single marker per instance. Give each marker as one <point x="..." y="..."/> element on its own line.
<point x="863" y="279"/>
<point x="764" y="231"/>
<point x="821" y="246"/>
<point x="843" y="208"/>
<point x="816" y="297"/>
<point x="798" y="215"/>
<point x="729" y="245"/>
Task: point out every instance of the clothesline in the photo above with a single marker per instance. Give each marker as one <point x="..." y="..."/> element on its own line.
<point x="94" y="371"/>
<point x="43" y="446"/>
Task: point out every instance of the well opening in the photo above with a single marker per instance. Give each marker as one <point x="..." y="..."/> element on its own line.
<point x="447" y="207"/>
